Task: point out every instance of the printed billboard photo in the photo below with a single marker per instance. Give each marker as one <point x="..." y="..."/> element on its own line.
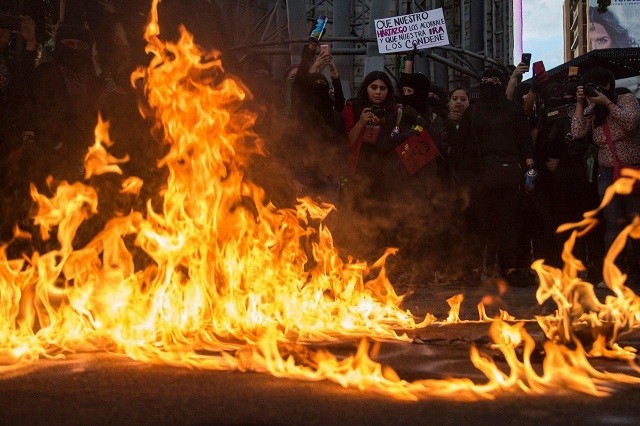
<point x="617" y="27"/>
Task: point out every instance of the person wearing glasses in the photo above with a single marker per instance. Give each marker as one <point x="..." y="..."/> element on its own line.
<point x="498" y="152"/>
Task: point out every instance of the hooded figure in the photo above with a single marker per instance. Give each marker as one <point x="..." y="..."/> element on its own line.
<point x="438" y="101"/>
<point x="318" y="91"/>
<point x="73" y="47"/>
<point x="499" y="146"/>
<point x="417" y="97"/>
<point x="492" y="86"/>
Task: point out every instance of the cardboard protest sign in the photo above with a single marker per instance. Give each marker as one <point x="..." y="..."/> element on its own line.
<point x="400" y="33"/>
<point x="417" y="151"/>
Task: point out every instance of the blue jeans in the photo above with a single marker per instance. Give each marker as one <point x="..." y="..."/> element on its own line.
<point x="618" y="213"/>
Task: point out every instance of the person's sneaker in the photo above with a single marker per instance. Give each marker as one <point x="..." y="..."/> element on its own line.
<point x="517" y="279"/>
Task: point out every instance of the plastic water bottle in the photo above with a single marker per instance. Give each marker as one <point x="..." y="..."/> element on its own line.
<point x="530" y="180"/>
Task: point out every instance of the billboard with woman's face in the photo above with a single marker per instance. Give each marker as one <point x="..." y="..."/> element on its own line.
<point x="617" y="27"/>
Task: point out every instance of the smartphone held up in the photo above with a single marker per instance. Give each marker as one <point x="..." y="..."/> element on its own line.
<point x="526" y="59"/>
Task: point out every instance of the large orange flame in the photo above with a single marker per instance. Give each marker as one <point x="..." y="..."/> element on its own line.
<point x="234" y="282"/>
<point x="581" y="316"/>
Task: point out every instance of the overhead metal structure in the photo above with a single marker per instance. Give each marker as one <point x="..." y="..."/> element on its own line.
<point x="479" y="33"/>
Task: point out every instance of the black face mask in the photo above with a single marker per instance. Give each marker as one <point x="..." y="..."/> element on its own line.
<point x="74" y="59"/>
<point x="492" y="93"/>
<point x="410" y="100"/>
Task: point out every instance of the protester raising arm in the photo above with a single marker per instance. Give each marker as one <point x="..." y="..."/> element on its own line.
<point x="338" y="94"/>
<point x="409" y="59"/>
<point x="515" y="78"/>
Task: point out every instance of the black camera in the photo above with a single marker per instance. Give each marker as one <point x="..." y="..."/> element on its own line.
<point x="590" y="89"/>
<point x="378" y="111"/>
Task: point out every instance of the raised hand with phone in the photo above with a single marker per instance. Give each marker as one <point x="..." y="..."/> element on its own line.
<point x="540" y="77"/>
<point x="516" y="75"/>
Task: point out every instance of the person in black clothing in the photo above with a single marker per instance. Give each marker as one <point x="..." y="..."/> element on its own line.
<point x="571" y="171"/>
<point x="15" y="69"/>
<point x="415" y="89"/>
<point x="315" y="142"/>
<point x="58" y="110"/>
<point x="500" y="143"/>
<point x="313" y="104"/>
<point x="436" y="96"/>
<point x="537" y="239"/>
<point x="438" y="101"/>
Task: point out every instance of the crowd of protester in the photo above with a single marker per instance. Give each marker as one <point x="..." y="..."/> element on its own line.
<point x="422" y="167"/>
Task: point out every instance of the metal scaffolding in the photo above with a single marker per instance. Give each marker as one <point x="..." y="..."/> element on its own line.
<point x="480" y="33"/>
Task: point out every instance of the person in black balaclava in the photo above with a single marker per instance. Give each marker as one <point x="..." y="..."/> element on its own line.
<point x="414" y="97"/>
<point x="415" y="92"/>
<point x="315" y="139"/>
<point x="498" y="149"/>
<point x="319" y="109"/>
<point x="492" y="90"/>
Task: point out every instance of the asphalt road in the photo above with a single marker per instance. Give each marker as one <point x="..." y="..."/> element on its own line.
<point x="108" y="389"/>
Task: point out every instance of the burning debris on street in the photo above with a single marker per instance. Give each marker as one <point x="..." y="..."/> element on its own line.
<point x="232" y="282"/>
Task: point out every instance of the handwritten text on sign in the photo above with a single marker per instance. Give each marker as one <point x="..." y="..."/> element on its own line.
<point x="400" y="33"/>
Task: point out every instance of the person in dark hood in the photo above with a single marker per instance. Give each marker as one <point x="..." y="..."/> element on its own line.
<point x="568" y="176"/>
<point x="498" y="151"/>
<point x="438" y="101"/>
<point x="435" y="96"/>
<point x="15" y="69"/>
<point x="73" y="54"/>
<point x="321" y="110"/>
<point x="56" y="116"/>
<point x="414" y="97"/>
<point x="316" y="124"/>
<point x="414" y="89"/>
<point x="492" y="90"/>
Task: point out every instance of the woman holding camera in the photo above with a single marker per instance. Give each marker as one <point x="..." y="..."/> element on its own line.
<point x="614" y="121"/>
<point x="368" y="121"/>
